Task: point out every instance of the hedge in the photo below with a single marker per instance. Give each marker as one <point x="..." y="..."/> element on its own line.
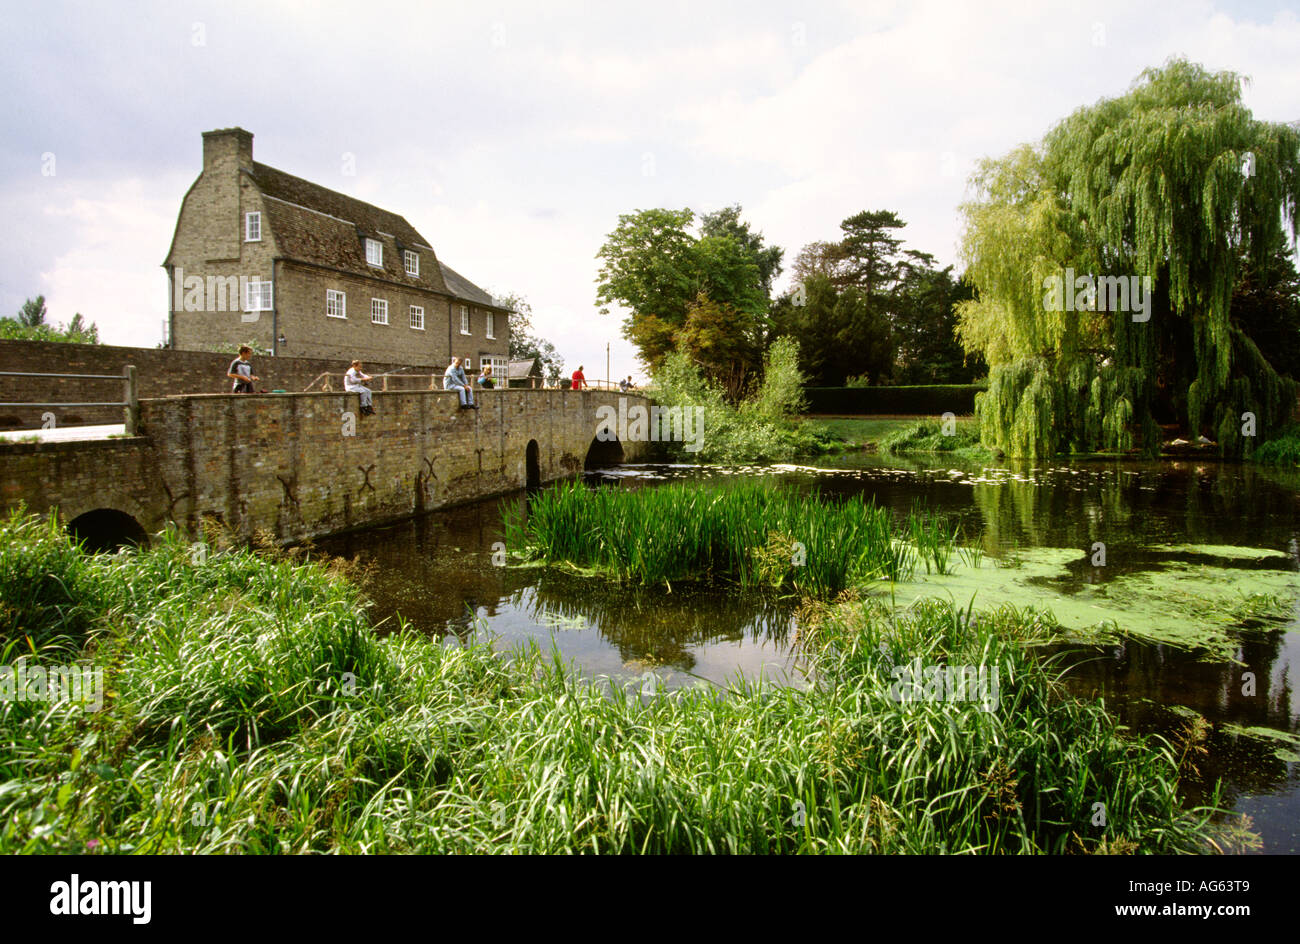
<point x="930" y="400"/>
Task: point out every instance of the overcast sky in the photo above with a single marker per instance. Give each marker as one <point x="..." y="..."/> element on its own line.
<point x="513" y="136"/>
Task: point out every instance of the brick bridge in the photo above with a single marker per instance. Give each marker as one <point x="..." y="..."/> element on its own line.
<point x="303" y="465"/>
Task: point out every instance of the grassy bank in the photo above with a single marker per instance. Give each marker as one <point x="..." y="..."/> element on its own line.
<point x="250" y="708"/>
<point x="931" y="437"/>
<point x="751" y="534"/>
<point x="858" y="432"/>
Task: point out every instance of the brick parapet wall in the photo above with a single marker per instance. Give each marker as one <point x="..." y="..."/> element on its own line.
<point x="160" y="373"/>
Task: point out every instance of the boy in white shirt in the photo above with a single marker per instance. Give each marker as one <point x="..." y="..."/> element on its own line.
<point x="354" y="382"/>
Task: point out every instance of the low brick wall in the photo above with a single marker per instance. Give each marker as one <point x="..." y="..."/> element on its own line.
<point x="159" y="373"/>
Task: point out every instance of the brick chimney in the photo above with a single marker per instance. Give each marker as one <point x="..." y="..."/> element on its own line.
<point x="228" y="148"/>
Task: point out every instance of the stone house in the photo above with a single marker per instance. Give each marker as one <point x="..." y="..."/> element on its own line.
<point x="265" y="258"/>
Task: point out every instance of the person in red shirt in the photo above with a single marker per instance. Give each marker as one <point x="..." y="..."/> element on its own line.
<point x="579" y="381"/>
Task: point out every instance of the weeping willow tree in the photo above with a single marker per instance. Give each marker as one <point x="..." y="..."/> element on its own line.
<point x="1105" y="259"/>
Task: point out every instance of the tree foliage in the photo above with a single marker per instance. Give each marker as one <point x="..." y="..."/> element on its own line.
<point x="662" y="273"/>
<point x="1174" y="182"/>
<point x="30" y="324"/>
<point x="865" y="308"/>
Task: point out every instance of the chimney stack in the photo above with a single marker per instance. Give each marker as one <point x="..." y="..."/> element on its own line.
<point x="229" y="148"/>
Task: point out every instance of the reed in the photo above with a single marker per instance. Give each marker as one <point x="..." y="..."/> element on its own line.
<point x="751" y="534"/>
<point x="251" y="710"/>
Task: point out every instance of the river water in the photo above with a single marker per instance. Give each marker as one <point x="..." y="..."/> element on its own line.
<point x="438" y="573"/>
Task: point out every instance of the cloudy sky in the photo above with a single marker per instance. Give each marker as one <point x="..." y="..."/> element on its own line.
<point x="513" y="135"/>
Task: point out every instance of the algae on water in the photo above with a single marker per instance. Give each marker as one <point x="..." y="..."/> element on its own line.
<point x="1193" y="597"/>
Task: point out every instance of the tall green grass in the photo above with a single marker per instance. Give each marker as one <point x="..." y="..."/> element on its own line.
<point x="752" y="534"/>
<point x="250" y="709"/>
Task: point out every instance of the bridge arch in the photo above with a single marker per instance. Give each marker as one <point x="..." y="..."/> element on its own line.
<point x="604" y="452"/>
<point x="107" y="529"/>
<point x="532" y="465"/>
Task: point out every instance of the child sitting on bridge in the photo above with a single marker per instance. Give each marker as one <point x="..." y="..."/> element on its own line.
<point x="354" y="382"/>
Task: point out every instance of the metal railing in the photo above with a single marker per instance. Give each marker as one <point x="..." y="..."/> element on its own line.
<point x="130" y="405"/>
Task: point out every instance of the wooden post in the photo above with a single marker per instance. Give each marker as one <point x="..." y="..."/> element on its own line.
<point x="132" y="410"/>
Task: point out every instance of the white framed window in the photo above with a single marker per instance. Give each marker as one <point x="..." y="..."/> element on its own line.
<point x="491" y="325"/>
<point x="412" y="262"/>
<point x="252" y="227"/>
<point x="464" y="319"/>
<point x="375" y="252"/>
<point x="257" y="296"/>
<point x="417" y="317"/>
<point x="468" y="364"/>
<point x="336" y="304"/>
<point x="378" y="311"/>
<point x="500" y="367"/>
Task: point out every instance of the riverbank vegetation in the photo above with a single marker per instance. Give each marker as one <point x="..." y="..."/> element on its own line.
<point x="1282" y="449"/>
<point x="751" y="534"/>
<point x="761" y="427"/>
<point x="250" y="708"/>
<point x="952" y="437"/>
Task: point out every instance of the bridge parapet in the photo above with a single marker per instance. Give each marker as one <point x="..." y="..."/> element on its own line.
<point x="304" y="465"/>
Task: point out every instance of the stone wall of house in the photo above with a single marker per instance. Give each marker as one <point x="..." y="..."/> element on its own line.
<point x="296" y="466"/>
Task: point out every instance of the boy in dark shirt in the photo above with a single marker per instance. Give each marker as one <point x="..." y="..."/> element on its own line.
<point x="241" y="371"/>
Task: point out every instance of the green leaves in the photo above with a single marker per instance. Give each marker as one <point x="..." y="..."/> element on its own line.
<point x="1173" y="182"/>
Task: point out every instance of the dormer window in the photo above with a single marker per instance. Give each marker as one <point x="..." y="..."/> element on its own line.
<point x="412" y="260"/>
<point x="375" y="252"/>
<point x="252" y="227"/>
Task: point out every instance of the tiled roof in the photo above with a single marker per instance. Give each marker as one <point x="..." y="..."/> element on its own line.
<point x="368" y="219"/>
<point x="526" y="368"/>
<point x="316" y="225"/>
<point x="462" y="287"/>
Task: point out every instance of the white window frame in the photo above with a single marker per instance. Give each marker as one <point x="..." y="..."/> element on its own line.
<point x="341" y="300"/>
<point x="491" y="333"/>
<point x="378" y="308"/>
<point x="411" y="261"/>
<point x="252" y="224"/>
<point x="258" y="295"/>
<point x="464" y="320"/>
<point x="417" y="324"/>
<point x="500" y="368"/>
<point x="375" y="258"/>
<point x="468" y="364"/>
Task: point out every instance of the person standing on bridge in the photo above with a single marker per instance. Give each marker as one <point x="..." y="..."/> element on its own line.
<point x="354" y="381"/>
<point x="579" y="379"/>
<point x="241" y="371"/>
<point x="454" y="379"/>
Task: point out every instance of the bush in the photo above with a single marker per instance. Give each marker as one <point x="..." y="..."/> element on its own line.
<point x="761" y="429"/>
<point x="1283" y="449"/>
<point x="928" y="437"/>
